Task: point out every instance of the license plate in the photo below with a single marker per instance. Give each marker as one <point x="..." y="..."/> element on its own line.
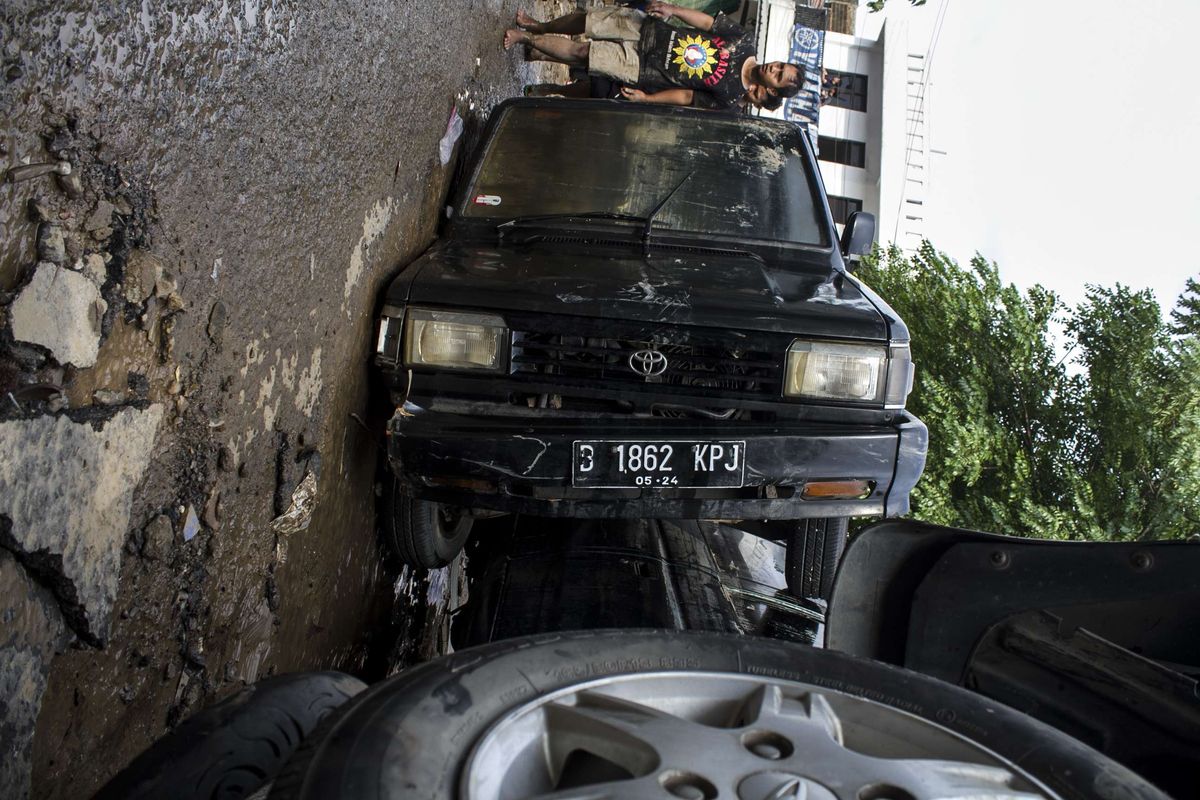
<point x="668" y="465"/>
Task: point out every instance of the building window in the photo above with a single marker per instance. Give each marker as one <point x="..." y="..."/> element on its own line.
<point x="844" y="90"/>
<point x="841" y="16"/>
<point x="842" y="151"/>
<point x="843" y="207"/>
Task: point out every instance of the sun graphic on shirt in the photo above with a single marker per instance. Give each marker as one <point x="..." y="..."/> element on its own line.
<point x="695" y="56"/>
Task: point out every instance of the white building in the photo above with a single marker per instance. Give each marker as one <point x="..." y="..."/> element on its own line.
<point x="873" y="145"/>
<point x="872" y="139"/>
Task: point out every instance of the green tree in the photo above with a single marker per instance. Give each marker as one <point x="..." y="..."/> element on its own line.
<point x="987" y="384"/>
<point x="1179" y="509"/>
<point x="1186" y="314"/>
<point x="1101" y="443"/>
<point x="1120" y="447"/>
<point x="1177" y="512"/>
<point x="878" y="5"/>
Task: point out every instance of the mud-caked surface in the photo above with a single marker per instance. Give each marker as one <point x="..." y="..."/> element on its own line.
<point x="210" y="196"/>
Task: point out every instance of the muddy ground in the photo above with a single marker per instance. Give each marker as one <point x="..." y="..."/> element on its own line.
<point x="184" y="325"/>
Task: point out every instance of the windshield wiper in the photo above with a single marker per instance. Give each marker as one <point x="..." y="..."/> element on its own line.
<point x="647" y="221"/>
<point x="658" y="208"/>
<point x="504" y="227"/>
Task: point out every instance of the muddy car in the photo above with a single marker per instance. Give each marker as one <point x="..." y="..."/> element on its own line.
<point x="644" y="312"/>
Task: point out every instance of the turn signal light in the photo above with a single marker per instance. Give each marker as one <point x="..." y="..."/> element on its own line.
<point x="837" y="490"/>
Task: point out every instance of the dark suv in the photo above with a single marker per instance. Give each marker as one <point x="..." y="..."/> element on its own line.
<point x="637" y="311"/>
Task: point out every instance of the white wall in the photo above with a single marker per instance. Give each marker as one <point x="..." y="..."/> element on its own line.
<point x="861" y="57"/>
<point x="893" y="126"/>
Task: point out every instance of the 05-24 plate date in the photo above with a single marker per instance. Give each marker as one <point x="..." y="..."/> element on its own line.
<point x="603" y="464"/>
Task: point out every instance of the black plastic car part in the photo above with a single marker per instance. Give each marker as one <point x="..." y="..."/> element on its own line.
<point x="235" y="747"/>
<point x="1101" y="640"/>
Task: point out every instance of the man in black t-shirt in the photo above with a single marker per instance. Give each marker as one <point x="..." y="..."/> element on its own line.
<point x="712" y="65"/>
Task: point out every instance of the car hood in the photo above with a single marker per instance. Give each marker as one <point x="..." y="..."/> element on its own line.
<point x="675" y="287"/>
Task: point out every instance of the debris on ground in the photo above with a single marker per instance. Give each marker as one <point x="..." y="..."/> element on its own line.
<point x="226" y="459"/>
<point x="212" y="510"/>
<point x="157" y="538"/>
<point x="66" y="488"/>
<point x="51" y="246"/>
<point x="454" y="129"/>
<point x="93" y="268"/>
<point x="299" y="514"/>
<point x="191" y="524"/>
<point x="33" y="631"/>
<point x="62" y="311"/>
<point x="216" y="323"/>
<point x="108" y="397"/>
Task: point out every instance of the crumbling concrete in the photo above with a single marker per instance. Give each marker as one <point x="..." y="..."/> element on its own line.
<point x="144" y="274"/>
<point x="32" y="630"/>
<point x="51" y="246"/>
<point x="93" y="267"/>
<point x="65" y="489"/>
<point x="60" y="310"/>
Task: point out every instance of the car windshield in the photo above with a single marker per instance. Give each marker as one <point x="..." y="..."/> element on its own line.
<point x="749" y="177"/>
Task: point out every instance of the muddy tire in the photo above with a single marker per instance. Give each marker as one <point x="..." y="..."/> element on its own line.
<point x="422" y="534"/>
<point x="813" y="551"/>
<point x="232" y="749"/>
<point x="655" y="713"/>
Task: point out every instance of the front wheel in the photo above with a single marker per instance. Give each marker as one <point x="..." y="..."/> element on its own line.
<point x="813" y="551"/>
<point x="647" y="715"/>
<point x="425" y="535"/>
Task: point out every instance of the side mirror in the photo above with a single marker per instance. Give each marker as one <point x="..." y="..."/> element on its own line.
<point x="858" y="236"/>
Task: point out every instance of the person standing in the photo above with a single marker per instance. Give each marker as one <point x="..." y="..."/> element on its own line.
<point x="711" y="65"/>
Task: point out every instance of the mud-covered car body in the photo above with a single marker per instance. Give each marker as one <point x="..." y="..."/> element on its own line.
<point x="588" y="362"/>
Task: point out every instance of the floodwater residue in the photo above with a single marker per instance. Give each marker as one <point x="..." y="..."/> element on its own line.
<point x="126" y="351"/>
<point x="374" y="224"/>
<point x="16" y="231"/>
<point x="77" y="55"/>
<point x="156" y="42"/>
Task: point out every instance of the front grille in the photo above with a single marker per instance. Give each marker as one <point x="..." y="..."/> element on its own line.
<point x="706" y="367"/>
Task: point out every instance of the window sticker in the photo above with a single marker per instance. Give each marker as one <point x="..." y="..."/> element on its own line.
<point x="487" y="199"/>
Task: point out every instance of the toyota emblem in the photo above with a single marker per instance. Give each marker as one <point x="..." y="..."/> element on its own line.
<point x="648" y="363"/>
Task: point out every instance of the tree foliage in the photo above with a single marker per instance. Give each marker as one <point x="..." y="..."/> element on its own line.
<point x="878" y="5"/>
<point x="1100" y="443"/>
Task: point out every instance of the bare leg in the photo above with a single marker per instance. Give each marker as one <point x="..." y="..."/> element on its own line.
<point x="573" y="89"/>
<point x="570" y="24"/>
<point x="562" y="50"/>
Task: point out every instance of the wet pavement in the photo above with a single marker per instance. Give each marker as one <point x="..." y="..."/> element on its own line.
<point x="244" y="178"/>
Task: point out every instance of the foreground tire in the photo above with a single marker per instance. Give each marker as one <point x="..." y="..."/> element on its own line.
<point x="648" y="714"/>
<point x="813" y="552"/>
<point x="237" y="746"/>
<point x="422" y="534"/>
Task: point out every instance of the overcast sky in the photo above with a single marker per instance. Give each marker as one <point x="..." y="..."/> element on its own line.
<point x="1072" y="139"/>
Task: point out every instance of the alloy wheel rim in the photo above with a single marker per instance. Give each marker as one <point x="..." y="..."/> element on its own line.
<point x="703" y="735"/>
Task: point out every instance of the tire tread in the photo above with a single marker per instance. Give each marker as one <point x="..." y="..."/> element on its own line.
<point x="813" y="552"/>
<point x="233" y="748"/>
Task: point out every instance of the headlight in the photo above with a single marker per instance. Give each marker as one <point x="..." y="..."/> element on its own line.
<point x="849" y="372"/>
<point x="451" y="339"/>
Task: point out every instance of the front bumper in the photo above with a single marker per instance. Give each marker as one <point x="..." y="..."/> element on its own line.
<point x="523" y="464"/>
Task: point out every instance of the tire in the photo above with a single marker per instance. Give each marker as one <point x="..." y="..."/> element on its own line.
<point x="424" y="535"/>
<point x="456" y="723"/>
<point x="813" y="551"/>
<point x="231" y="749"/>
